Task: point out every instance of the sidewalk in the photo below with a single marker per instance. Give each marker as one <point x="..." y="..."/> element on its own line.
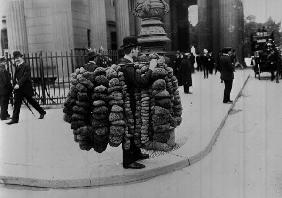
<point x="42" y="153"/>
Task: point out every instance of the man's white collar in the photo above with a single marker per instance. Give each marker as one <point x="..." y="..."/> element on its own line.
<point x="128" y="58"/>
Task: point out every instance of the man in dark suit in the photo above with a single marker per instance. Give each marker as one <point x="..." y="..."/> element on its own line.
<point x="205" y="63"/>
<point x="23" y="88"/>
<point x="133" y="79"/>
<point x="5" y="89"/>
<point x="227" y="73"/>
<point x="186" y="72"/>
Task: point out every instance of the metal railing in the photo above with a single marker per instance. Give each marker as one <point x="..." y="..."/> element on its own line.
<point x="50" y="72"/>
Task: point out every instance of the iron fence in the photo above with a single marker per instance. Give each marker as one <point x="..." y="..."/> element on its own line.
<point x="50" y="72"/>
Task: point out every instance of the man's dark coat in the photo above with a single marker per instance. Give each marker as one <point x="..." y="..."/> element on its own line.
<point x="186" y="72"/>
<point x="227" y="68"/>
<point x="22" y="77"/>
<point x="5" y="83"/>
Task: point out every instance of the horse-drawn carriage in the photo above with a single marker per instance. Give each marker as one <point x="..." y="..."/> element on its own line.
<point x="267" y="57"/>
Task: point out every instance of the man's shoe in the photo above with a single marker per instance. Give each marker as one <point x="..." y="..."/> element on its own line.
<point x="143" y="156"/>
<point x="42" y="115"/>
<point x="12" y="122"/>
<point x="6" y="118"/>
<point x="134" y="165"/>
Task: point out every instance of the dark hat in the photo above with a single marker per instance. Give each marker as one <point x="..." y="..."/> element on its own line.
<point x="130" y="41"/>
<point x="92" y="55"/>
<point x="17" y="54"/>
<point x="226" y="50"/>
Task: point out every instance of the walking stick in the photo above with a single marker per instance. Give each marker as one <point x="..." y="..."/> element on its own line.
<point x="27" y="105"/>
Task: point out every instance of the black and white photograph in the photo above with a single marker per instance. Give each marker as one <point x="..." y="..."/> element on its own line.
<point x="140" y="98"/>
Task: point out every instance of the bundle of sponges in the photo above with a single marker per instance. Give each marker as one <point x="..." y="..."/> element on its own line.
<point x="161" y="116"/>
<point x="162" y="105"/>
<point x="100" y="112"/>
<point x="145" y="107"/>
<point x="116" y="116"/>
<point x="176" y="100"/>
<point x="77" y="108"/>
<point x="129" y="128"/>
<point x="145" y="115"/>
<point x="69" y="103"/>
<point x="138" y="120"/>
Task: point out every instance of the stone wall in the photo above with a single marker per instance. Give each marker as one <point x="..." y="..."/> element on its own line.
<point x="49" y="25"/>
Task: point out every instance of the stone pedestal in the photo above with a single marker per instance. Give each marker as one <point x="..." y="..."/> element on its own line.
<point x="152" y="36"/>
<point x="122" y="19"/>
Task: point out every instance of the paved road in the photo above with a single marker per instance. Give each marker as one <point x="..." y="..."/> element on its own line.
<point x="245" y="162"/>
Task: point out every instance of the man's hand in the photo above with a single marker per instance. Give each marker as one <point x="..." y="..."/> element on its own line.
<point x="16" y="86"/>
<point x="153" y="64"/>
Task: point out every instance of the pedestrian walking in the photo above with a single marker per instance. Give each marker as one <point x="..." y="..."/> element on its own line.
<point x="218" y="67"/>
<point x="192" y="60"/>
<point x="5" y="89"/>
<point x="23" y="88"/>
<point x="227" y="73"/>
<point x="133" y="80"/>
<point x="176" y="68"/>
<point x="205" y="63"/>
<point x="211" y="62"/>
<point x="186" y="72"/>
<point x="199" y="62"/>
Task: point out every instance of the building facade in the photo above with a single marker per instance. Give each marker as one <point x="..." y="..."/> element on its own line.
<point x="52" y="25"/>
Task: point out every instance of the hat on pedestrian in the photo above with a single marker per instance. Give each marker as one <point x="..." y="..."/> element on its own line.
<point x="130" y="41"/>
<point x="92" y="53"/>
<point x="17" y="54"/>
<point x="226" y="50"/>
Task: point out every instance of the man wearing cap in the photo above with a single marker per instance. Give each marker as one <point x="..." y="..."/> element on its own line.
<point x="91" y="65"/>
<point x="227" y="73"/>
<point x="5" y="89"/>
<point x="23" y="88"/>
<point x="133" y="79"/>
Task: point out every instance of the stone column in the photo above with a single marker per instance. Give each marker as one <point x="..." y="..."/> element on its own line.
<point x="16" y="26"/>
<point x="231" y="26"/>
<point x="205" y="38"/>
<point x="183" y="27"/>
<point x="215" y="27"/>
<point x="167" y="26"/>
<point x="98" y="24"/>
<point x="173" y="26"/>
<point x="122" y="20"/>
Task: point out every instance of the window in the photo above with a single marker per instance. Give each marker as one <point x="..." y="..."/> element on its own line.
<point x="114" y="40"/>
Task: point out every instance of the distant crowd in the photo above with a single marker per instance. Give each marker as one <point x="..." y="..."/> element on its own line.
<point x="186" y="63"/>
